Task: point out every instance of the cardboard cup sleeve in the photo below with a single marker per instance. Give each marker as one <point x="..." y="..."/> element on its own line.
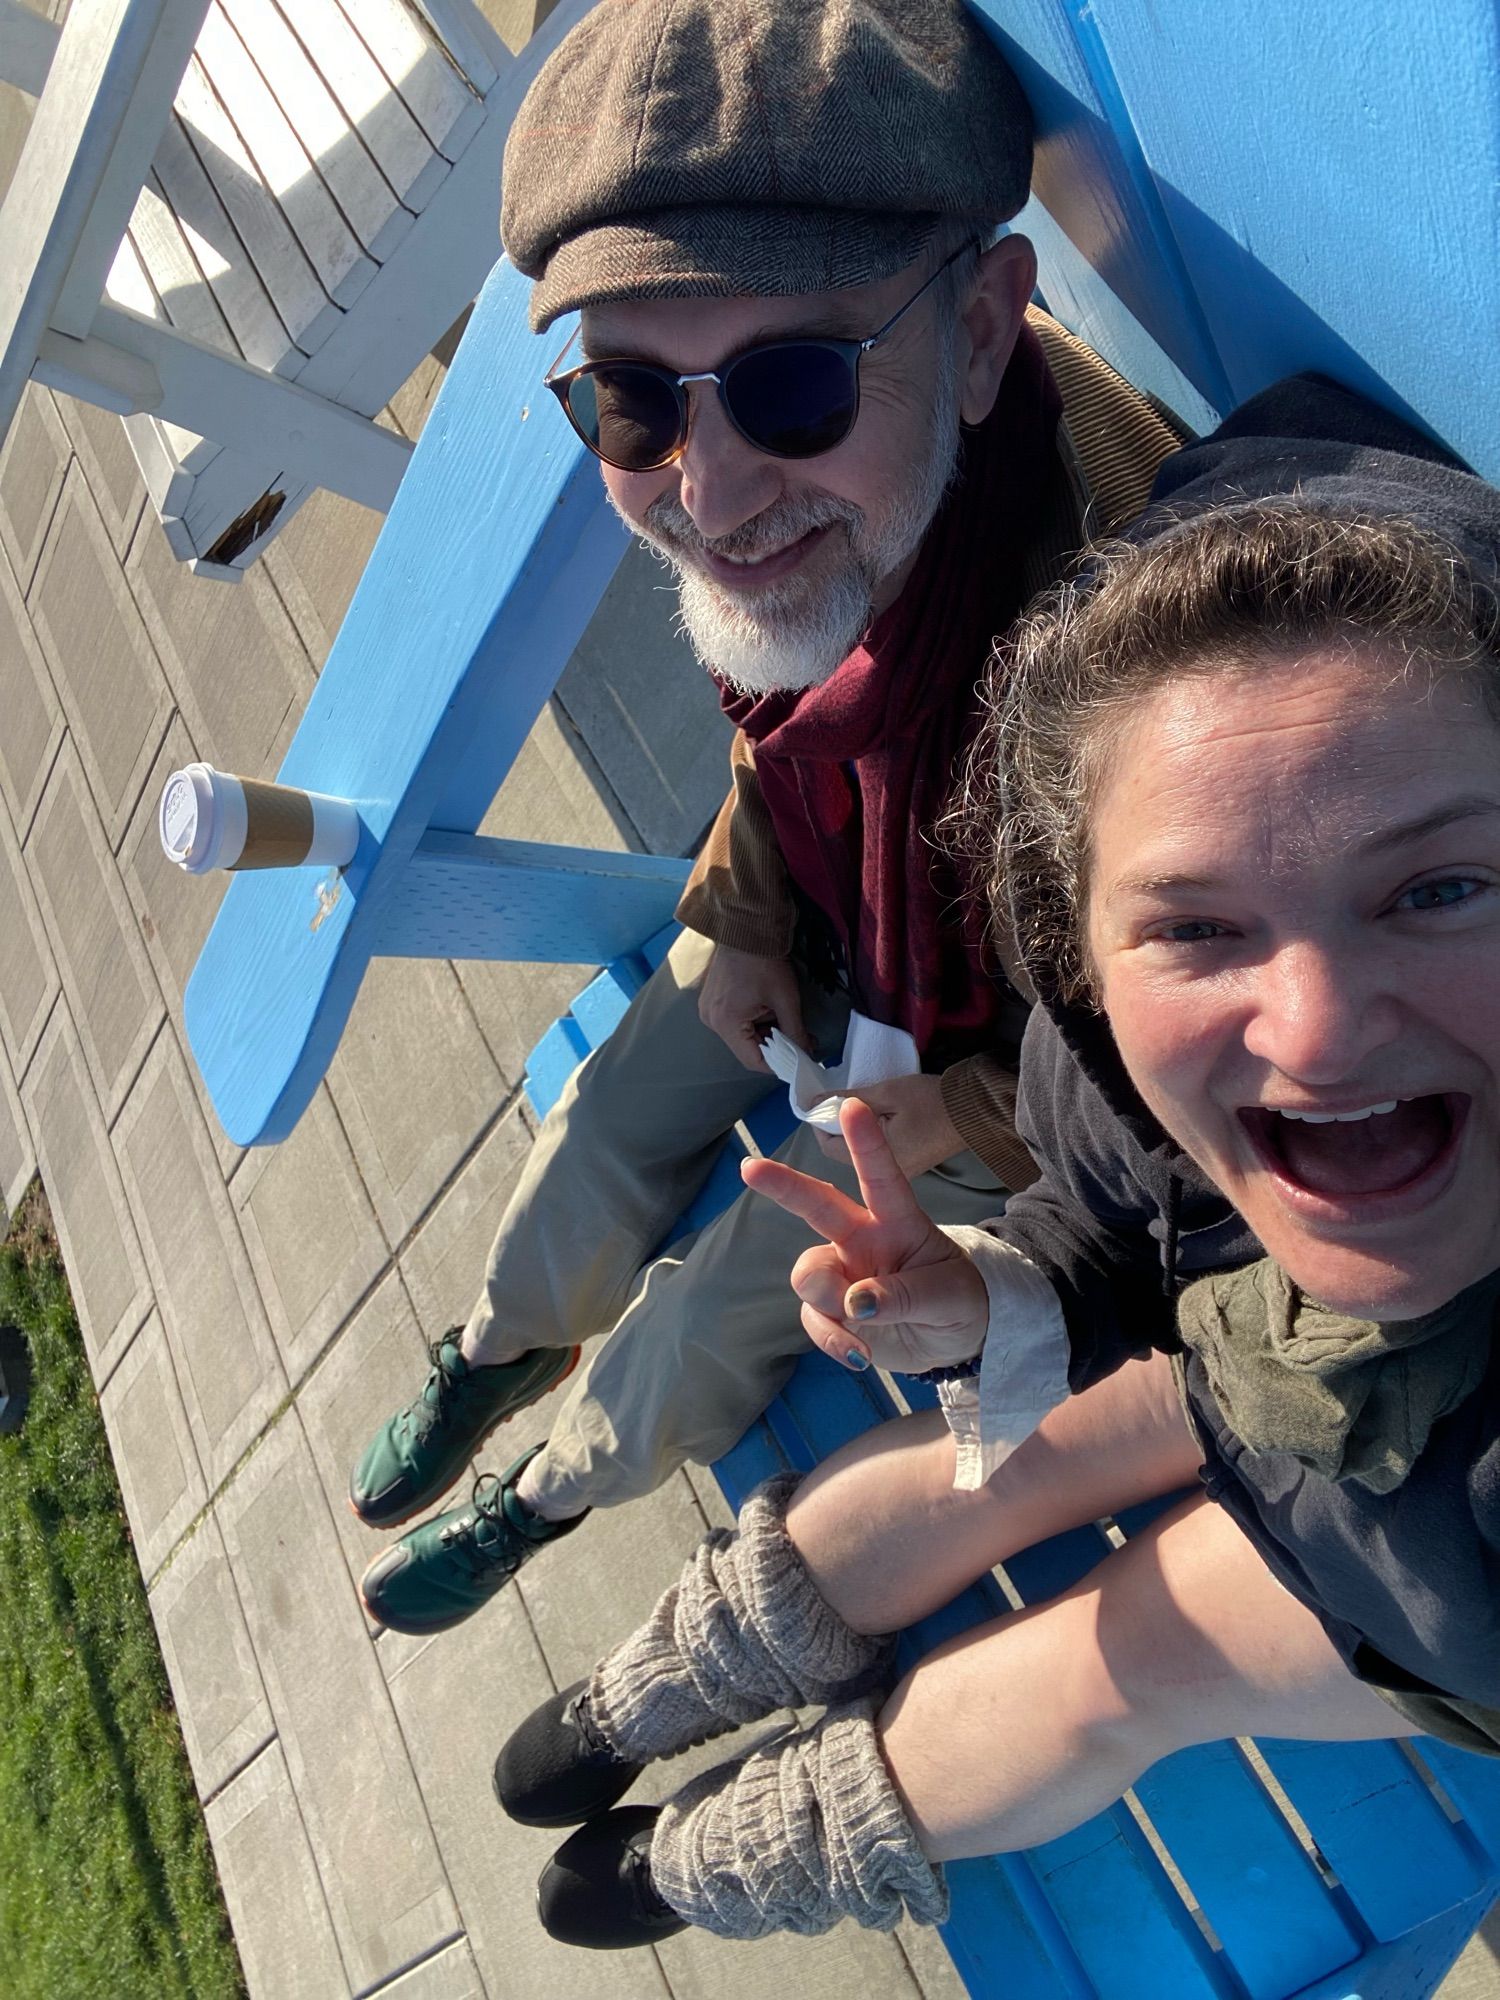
<point x="212" y="819"/>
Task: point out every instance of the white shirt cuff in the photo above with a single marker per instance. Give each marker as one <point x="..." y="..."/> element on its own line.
<point x="1023" y="1370"/>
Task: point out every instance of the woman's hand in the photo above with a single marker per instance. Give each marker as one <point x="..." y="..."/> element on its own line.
<point x="917" y="1127"/>
<point x="887" y="1285"/>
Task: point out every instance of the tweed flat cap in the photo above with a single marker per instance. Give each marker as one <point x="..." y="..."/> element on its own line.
<point x="710" y="148"/>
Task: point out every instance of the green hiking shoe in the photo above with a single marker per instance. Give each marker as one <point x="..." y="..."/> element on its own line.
<point x="423" y="1449"/>
<point x="440" y="1573"/>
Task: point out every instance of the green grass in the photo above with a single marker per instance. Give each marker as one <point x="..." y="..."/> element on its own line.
<point x="107" y="1884"/>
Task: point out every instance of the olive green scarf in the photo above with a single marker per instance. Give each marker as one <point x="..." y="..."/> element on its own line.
<point x="1348" y="1398"/>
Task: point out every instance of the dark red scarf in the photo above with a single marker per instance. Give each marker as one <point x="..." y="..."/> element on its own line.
<point x="855" y="773"/>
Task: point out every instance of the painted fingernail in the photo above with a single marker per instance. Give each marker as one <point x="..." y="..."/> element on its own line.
<point x="857" y="1359"/>
<point x="863" y="1305"/>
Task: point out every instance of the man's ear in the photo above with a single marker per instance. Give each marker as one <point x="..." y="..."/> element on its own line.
<point x="998" y="298"/>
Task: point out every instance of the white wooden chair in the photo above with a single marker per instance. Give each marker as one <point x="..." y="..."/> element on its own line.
<point x="241" y="224"/>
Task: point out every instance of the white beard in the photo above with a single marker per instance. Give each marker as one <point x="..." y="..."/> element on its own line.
<point x="796" y="635"/>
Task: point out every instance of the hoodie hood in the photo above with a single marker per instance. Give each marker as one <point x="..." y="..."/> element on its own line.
<point x="1309" y="437"/>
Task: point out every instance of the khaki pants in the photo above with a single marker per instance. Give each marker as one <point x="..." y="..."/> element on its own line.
<point x="702" y="1337"/>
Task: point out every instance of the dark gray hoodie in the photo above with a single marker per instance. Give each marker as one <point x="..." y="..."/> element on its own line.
<point x="1406" y="1583"/>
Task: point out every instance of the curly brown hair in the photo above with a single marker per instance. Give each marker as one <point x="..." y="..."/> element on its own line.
<point x="1227" y="592"/>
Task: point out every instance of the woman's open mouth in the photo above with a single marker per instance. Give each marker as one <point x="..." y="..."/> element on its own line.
<point x="1387" y="1155"/>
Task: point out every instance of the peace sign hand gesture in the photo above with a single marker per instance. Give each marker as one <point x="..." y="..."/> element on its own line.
<point x="887" y="1285"/>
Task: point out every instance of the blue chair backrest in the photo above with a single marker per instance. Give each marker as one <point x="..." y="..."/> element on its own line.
<point x="1229" y="191"/>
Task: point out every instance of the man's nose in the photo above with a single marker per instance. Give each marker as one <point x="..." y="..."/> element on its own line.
<point x="724" y="481"/>
<point x="1318" y="1013"/>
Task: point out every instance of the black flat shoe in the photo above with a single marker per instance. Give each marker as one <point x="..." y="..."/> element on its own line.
<point x="597" y="1891"/>
<point x="557" y="1769"/>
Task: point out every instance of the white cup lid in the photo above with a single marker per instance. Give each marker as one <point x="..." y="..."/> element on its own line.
<point x="186" y="817"/>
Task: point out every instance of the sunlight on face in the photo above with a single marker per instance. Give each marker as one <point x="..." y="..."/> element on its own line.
<point x="1294" y="918"/>
<point x="783" y="562"/>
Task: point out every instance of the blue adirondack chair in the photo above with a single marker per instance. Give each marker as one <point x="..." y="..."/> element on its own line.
<point x="1223" y="194"/>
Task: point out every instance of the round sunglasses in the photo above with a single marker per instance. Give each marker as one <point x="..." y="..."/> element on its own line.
<point x="790" y="398"/>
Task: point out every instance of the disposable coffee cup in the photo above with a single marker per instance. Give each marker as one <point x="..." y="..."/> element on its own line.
<point x="211" y="819"/>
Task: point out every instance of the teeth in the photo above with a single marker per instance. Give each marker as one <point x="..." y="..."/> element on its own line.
<point x="1343" y="1117"/>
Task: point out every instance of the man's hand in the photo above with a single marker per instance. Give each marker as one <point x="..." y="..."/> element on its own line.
<point x="917" y="1127"/>
<point x="887" y="1285"/>
<point x="743" y="997"/>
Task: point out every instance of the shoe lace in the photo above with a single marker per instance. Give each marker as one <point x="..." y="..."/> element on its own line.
<point x="438" y="1391"/>
<point x="649" y="1900"/>
<point x="594" y="1740"/>
<point x="467" y="1539"/>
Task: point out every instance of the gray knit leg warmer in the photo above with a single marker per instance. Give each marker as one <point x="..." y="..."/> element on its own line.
<point x="744" y="1631"/>
<point x="797" y="1837"/>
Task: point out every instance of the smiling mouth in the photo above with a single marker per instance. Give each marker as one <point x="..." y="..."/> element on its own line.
<point x="762" y="566"/>
<point x="1383" y="1148"/>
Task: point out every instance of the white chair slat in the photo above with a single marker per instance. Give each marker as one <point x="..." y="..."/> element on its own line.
<point x="403" y="44"/>
<point x="166" y="482"/>
<point x="177" y="278"/>
<point x="28" y="42"/>
<point x="330" y="245"/>
<point x="395" y="139"/>
<point x="237" y="285"/>
<point x="307" y="312"/>
<point x="361" y="190"/>
<point x="220" y="494"/>
<point x="193" y="453"/>
<point x="451" y="22"/>
<point x="128" y="283"/>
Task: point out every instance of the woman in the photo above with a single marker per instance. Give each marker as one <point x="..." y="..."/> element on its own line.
<point x="1250" y="845"/>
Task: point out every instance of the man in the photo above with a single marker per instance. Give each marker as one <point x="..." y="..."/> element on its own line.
<point x="806" y="370"/>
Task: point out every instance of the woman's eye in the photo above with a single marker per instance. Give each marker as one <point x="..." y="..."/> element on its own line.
<point x="1442" y="894"/>
<point x="1191" y="930"/>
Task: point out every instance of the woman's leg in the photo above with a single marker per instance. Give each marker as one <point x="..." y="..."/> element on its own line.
<point x="887" y="1538"/>
<point x="793" y="1608"/>
<point x="1009" y="1736"/>
<point x="1021" y="1729"/>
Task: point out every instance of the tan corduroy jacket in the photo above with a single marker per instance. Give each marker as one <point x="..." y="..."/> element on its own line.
<point x="1110" y="441"/>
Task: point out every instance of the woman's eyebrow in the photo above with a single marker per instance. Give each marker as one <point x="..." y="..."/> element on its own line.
<point x="1172" y="882"/>
<point x="1162" y="885"/>
<point x="1473" y="806"/>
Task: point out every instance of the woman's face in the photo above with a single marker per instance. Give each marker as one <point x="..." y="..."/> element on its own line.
<point x="1294" y="915"/>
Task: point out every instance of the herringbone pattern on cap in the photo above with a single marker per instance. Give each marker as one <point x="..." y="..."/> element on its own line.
<point x="711" y="147"/>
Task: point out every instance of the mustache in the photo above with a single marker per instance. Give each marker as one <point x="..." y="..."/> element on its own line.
<point x="671" y="527"/>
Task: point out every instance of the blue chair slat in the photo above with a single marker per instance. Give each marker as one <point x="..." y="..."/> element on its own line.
<point x="1131" y="1930"/>
<point x="1090" y="189"/>
<point x="465" y="896"/>
<point x="1004" y="1937"/>
<point x="772" y="1122"/>
<point x="1131" y="1520"/>
<point x="757" y="1457"/>
<point x="1260" y="1891"/>
<point x="1380" y="1829"/>
<point x="598" y="1008"/>
<point x="655" y="949"/>
<point x="1410" y="1968"/>
<point x="1473" y="1784"/>
<point x="1053" y="1565"/>
<point x="721" y="1188"/>
<point x="552" y="1062"/>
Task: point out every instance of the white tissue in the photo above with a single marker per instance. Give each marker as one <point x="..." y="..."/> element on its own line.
<point x="873" y="1053"/>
